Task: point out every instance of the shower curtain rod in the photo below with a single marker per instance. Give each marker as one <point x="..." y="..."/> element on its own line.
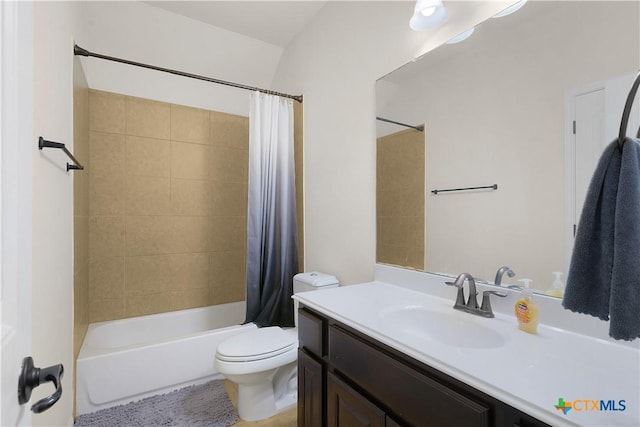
<point x="419" y="128"/>
<point x="77" y="50"/>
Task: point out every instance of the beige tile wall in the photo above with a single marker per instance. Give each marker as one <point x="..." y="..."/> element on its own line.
<point x="168" y="201"/>
<point x="400" y="199"/>
<point x="80" y="209"/>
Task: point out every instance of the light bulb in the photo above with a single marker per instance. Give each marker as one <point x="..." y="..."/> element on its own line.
<point x="428" y="11"/>
<point x="428" y="14"/>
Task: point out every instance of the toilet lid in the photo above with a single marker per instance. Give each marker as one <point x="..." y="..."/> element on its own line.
<point x="262" y="343"/>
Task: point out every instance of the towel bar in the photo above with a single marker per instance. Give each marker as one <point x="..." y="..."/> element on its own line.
<point x="627" y="111"/>
<point x="43" y="143"/>
<point x="494" y="187"/>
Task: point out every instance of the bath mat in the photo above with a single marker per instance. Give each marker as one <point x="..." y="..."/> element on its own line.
<point x="205" y="405"/>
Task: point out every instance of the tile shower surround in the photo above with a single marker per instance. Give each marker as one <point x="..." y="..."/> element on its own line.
<point x="167" y="206"/>
<point x="400" y="194"/>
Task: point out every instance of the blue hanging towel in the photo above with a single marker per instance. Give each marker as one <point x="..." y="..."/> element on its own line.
<point x="604" y="275"/>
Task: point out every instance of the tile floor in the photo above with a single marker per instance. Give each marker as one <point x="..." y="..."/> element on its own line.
<point x="284" y="419"/>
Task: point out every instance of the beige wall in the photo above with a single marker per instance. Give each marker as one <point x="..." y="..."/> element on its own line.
<point x="50" y="234"/>
<point x="168" y="191"/>
<point x="336" y="71"/>
<point x="142" y="32"/>
<point x="80" y="207"/>
<point x="400" y="199"/>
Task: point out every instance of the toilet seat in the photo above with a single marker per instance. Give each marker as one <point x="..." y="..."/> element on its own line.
<point x="260" y="344"/>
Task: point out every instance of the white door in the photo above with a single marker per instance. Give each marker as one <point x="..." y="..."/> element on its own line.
<point x="589" y="143"/>
<point x="593" y="117"/>
<point x="16" y="115"/>
<point x="585" y="139"/>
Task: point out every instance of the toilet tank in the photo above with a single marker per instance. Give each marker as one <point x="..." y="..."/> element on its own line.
<point x="311" y="281"/>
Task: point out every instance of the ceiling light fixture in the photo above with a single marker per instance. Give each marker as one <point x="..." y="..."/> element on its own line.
<point x="462" y="36"/>
<point x="428" y="14"/>
<point x="508" y="11"/>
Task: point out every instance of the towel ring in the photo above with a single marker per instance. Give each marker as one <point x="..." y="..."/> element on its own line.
<point x="627" y="112"/>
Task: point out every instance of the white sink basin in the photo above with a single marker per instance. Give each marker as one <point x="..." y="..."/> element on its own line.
<point x="456" y="329"/>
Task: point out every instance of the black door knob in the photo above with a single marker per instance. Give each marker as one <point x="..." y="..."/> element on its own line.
<point x="31" y="377"/>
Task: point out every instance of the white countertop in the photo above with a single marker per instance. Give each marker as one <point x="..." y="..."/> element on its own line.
<point x="528" y="372"/>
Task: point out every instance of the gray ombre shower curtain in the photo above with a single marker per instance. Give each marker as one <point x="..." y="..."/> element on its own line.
<point x="272" y="237"/>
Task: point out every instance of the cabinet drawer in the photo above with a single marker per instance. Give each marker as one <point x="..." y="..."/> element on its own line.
<point x="311" y="332"/>
<point x="412" y="396"/>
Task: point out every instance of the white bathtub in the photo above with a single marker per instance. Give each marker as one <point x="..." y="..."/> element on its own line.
<point x="125" y="360"/>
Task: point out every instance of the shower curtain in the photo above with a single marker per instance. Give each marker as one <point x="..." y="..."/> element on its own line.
<point x="272" y="238"/>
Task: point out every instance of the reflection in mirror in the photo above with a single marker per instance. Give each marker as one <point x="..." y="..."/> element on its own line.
<point x="499" y="108"/>
<point x="400" y="198"/>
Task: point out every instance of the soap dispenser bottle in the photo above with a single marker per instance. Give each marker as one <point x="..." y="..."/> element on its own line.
<point x="526" y="309"/>
<point x="557" y="287"/>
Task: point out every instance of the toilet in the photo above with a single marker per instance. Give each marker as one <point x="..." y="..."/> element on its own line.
<point x="263" y="362"/>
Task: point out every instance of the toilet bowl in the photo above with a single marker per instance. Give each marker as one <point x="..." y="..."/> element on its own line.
<point x="263" y="362"/>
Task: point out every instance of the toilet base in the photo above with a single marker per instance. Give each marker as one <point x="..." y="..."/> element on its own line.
<point x="257" y="401"/>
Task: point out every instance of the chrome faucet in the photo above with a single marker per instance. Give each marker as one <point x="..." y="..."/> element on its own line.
<point x="500" y="273"/>
<point x="485" y="308"/>
<point x="471" y="305"/>
<point x="472" y="302"/>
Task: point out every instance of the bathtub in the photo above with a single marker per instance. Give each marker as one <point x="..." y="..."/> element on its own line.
<point x="129" y="359"/>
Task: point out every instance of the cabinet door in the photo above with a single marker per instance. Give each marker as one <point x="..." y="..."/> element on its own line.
<point x="347" y="408"/>
<point x="392" y="423"/>
<point x="417" y="399"/>
<point x="310" y="391"/>
<point x="511" y="417"/>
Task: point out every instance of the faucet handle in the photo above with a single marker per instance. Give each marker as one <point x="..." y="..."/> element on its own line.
<point x="496" y="293"/>
<point x="486" y="309"/>
<point x="460" y="297"/>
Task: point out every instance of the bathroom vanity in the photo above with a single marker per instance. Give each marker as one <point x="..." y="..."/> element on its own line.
<point x="346" y="378"/>
<point x="393" y="354"/>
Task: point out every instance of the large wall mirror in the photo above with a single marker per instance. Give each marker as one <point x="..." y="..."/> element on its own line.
<point x="498" y="108"/>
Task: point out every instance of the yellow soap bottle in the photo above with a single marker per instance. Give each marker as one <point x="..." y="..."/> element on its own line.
<point x="527" y="310"/>
<point x="557" y="287"/>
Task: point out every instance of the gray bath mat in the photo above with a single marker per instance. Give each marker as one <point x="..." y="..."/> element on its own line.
<point x="205" y="405"/>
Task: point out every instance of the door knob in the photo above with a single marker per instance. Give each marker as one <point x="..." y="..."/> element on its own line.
<point x="31" y="377"/>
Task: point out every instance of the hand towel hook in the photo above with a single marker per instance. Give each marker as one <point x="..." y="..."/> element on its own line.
<point x="627" y="111"/>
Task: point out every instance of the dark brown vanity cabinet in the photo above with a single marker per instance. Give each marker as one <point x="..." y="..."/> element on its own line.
<point x="312" y="370"/>
<point x="347" y="379"/>
<point x="347" y="407"/>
